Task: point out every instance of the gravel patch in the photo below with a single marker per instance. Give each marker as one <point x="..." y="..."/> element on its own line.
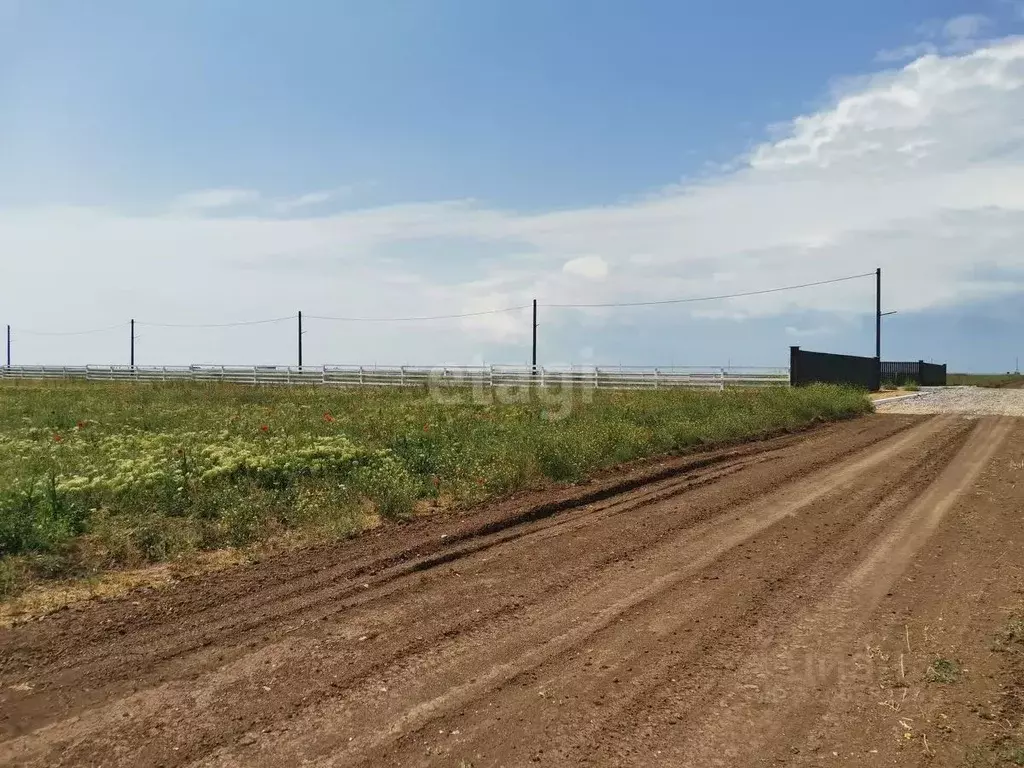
<point x="971" y="401"/>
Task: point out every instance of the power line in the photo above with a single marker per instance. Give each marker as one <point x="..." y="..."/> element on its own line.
<point x="30" y="332"/>
<point x="415" y="319"/>
<point x="709" y="298"/>
<point x="215" y="325"/>
<point x="423" y="318"/>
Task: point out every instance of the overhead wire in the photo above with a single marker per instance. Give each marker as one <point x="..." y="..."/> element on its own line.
<point x="417" y="319"/>
<point x="30" y="332"/>
<point x="424" y="318"/>
<point x="707" y="298"/>
<point x="215" y="325"/>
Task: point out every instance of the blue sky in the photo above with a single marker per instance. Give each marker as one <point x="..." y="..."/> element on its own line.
<point x="195" y="162"/>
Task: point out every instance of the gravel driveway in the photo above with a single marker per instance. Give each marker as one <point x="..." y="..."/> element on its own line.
<point x="972" y="401"/>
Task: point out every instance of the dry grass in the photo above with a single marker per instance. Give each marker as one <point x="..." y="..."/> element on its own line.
<point x="47" y="597"/>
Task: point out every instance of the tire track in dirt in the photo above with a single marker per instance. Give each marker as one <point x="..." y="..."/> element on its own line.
<point x="217" y="613"/>
<point x="826" y="631"/>
<point x="667" y="604"/>
<point x="547" y="637"/>
<point x="184" y="646"/>
<point x="606" y="601"/>
<point x="692" y="654"/>
<point x="324" y="604"/>
<point x="954" y="602"/>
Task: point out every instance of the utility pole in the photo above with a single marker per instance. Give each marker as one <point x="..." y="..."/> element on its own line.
<point x="132" y="358"/>
<point x="534" y="369"/>
<point x="300" y="339"/>
<point x="878" y="314"/>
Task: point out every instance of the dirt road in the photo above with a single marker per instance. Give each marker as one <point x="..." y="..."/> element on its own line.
<point x="778" y="603"/>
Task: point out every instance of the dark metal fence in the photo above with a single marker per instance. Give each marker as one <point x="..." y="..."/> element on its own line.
<point x="919" y="372"/>
<point x="866" y="372"/>
<point x="810" y="367"/>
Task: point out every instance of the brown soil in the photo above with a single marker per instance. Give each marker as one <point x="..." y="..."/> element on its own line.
<point x="744" y="607"/>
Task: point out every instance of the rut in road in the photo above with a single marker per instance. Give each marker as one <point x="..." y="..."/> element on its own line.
<point x="140" y="643"/>
<point x="588" y="636"/>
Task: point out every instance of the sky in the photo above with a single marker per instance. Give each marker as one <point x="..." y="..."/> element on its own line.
<point x="205" y="166"/>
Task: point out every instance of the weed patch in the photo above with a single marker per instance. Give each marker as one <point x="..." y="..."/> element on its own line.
<point x="943" y="671"/>
<point x="95" y="477"/>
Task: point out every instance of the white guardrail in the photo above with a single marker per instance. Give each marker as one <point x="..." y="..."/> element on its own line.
<point x="600" y="377"/>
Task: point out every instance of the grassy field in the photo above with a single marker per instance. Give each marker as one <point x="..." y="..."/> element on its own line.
<point x="996" y="380"/>
<point x="96" y="477"/>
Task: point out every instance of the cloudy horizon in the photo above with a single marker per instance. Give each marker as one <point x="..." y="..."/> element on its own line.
<point x="914" y="163"/>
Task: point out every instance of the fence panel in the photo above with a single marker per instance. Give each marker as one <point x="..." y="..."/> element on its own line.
<point x="918" y="371"/>
<point x="894" y="372"/>
<point x="933" y="375"/>
<point x="594" y="377"/>
<point x="823" y="367"/>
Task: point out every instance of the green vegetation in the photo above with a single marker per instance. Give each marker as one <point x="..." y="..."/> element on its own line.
<point x="97" y="476"/>
<point x="943" y="671"/>
<point x="995" y="380"/>
<point x="1015" y="631"/>
<point x="993" y="756"/>
<point x="904" y="383"/>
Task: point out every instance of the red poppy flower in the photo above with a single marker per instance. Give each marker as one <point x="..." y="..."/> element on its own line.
<point x="328" y="418"/>
<point x="264" y="428"/>
<point x="426" y="427"/>
<point x="57" y="438"/>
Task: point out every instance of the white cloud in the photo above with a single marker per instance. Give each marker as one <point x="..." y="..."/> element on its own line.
<point x="227" y="198"/>
<point x="309" y="199"/>
<point x="906" y="52"/>
<point x="803" y="333"/>
<point x="208" y="199"/>
<point x="956" y="35"/>
<point x="965" y="27"/>
<point x="919" y="170"/>
<point x="590" y="267"/>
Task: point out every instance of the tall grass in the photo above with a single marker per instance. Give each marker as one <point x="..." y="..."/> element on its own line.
<point x="994" y="380"/>
<point x="96" y="476"/>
